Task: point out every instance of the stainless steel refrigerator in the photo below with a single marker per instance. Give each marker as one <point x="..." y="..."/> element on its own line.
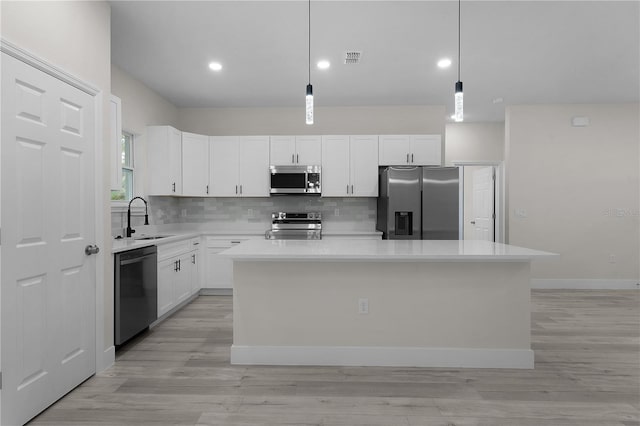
<point x="419" y="203"/>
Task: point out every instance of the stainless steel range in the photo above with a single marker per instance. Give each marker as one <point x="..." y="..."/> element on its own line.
<point x="295" y="226"/>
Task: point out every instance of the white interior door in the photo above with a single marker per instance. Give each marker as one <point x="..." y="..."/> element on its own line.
<point x="48" y="218"/>
<point x="483" y="204"/>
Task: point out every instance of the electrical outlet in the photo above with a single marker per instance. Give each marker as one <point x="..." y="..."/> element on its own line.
<point x="363" y="306"/>
<point x="336" y="212"/>
<point x="250" y="213"/>
<point x="184" y="213"/>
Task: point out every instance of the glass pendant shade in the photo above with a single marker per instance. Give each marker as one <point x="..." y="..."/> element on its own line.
<point x="458" y="113"/>
<point x="309" y="112"/>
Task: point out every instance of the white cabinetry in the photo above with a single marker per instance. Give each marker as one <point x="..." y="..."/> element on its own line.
<point x="195" y="165"/>
<point x="350" y="166"/>
<point x="296" y="150"/>
<point x="414" y="150"/>
<point x="164" y="160"/>
<point x="178" y="274"/>
<point x="219" y="272"/>
<point x="239" y="166"/>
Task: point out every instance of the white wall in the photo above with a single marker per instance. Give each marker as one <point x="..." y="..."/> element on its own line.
<point x="474" y="142"/>
<point x="76" y="37"/>
<point x="328" y="120"/>
<point x="578" y="188"/>
<point x="141" y="107"/>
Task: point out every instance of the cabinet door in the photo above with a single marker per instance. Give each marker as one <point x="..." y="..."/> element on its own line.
<point x="175" y="161"/>
<point x="254" y="166"/>
<point x="195" y="271"/>
<point x="282" y="150"/>
<point x="224" y="161"/>
<point x="164" y="160"/>
<point x="182" y="284"/>
<point x="166" y="277"/>
<point x="335" y="166"/>
<point x="394" y="150"/>
<point x="364" y="166"/>
<point x="308" y="150"/>
<point x="195" y="164"/>
<point x="426" y="150"/>
<point x="219" y="269"/>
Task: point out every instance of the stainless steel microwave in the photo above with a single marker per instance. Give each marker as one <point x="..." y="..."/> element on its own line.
<point x="295" y="180"/>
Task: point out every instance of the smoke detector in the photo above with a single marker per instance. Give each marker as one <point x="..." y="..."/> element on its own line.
<point x="352" y="57"/>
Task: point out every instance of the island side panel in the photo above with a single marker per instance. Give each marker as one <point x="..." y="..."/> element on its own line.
<point x="436" y="305"/>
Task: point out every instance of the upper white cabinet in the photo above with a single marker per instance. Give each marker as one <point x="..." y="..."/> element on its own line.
<point x="350" y="166"/>
<point x="296" y="150"/>
<point x="239" y="166"/>
<point x="415" y="150"/>
<point x="115" y="133"/>
<point x="195" y="164"/>
<point x="164" y="160"/>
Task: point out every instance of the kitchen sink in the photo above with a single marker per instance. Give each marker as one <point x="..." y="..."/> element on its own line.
<point x="152" y="237"/>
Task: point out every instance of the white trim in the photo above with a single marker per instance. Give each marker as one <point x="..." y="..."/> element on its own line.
<point x="216" y="292"/>
<point x="106" y="359"/>
<point x="585" y="284"/>
<point x="33" y="60"/>
<point x="382" y="356"/>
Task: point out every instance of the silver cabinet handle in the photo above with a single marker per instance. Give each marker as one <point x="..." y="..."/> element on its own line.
<point x="236" y="189"/>
<point x="193" y="259"/>
<point x="174" y="187"/>
<point x="298" y="158"/>
<point x="91" y="249"/>
<point x="240" y="189"/>
<point x="412" y="158"/>
<point x="351" y="189"/>
<point x="473" y="222"/>
<point x="293" y="158"/>
<point x="347" y="189"/>
<point x="207" y="189"/>
<point x="407" y="158"/>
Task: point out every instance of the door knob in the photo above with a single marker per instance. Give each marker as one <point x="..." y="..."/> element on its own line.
<point x="91" y="249"/>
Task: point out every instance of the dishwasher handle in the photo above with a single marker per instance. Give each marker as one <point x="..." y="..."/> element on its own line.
<point x="136" y="259"/>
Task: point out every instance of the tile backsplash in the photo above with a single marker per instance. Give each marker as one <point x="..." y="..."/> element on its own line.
<point x="355" y="214"/>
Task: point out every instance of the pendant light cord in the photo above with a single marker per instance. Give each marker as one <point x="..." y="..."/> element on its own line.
<point x="310" y="42"/>
<point x="458" y="39"/>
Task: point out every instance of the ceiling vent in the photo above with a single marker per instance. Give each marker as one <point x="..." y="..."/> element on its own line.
<point x="352" y="57"/>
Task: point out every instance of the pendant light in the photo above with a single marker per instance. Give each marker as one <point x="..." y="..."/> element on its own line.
<point x="458" y="99"/>
<point x="309" y="97"/>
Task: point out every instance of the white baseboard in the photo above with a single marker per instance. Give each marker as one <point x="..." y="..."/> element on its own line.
<point x="106" y="360"/>
<point x="585" y="284"/>
<point x="216" y="292"/>
<point x="382" y="356"/>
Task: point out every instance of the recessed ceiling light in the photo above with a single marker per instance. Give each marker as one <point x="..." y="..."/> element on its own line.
<point x="215" y="66"/>
<point x="323" y="65"/>
<point x="444" y="63"/>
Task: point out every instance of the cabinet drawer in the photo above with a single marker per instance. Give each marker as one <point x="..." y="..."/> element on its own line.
<point x="166" y="251"/>
<point x="227" y="242"/>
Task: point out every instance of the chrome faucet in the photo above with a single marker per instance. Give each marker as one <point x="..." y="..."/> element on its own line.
<point x="146" y="216"/>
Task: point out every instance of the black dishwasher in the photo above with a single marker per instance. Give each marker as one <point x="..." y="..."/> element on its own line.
<point x="136" y="292"/>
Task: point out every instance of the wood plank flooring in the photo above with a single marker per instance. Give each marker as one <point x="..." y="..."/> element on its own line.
<point x="587" y="353"/>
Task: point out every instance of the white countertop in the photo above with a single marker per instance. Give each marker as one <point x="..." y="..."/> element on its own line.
<point x="125" y="244"/>
<point x="380" y="250"/>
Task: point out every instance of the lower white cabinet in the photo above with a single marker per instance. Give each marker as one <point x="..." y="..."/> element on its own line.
<point x="219" y="269"/>
<point x="178" y="273"/>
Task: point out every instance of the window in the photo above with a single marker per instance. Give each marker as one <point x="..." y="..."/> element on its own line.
<point x="126" y="193"/>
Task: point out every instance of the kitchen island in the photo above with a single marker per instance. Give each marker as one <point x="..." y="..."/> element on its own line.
<point x="382" y="303"/>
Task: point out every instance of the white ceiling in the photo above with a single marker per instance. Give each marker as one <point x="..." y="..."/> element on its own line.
<point x="525" y="52"/>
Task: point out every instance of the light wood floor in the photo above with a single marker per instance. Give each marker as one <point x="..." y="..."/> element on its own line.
<point x="587" y="351"/>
